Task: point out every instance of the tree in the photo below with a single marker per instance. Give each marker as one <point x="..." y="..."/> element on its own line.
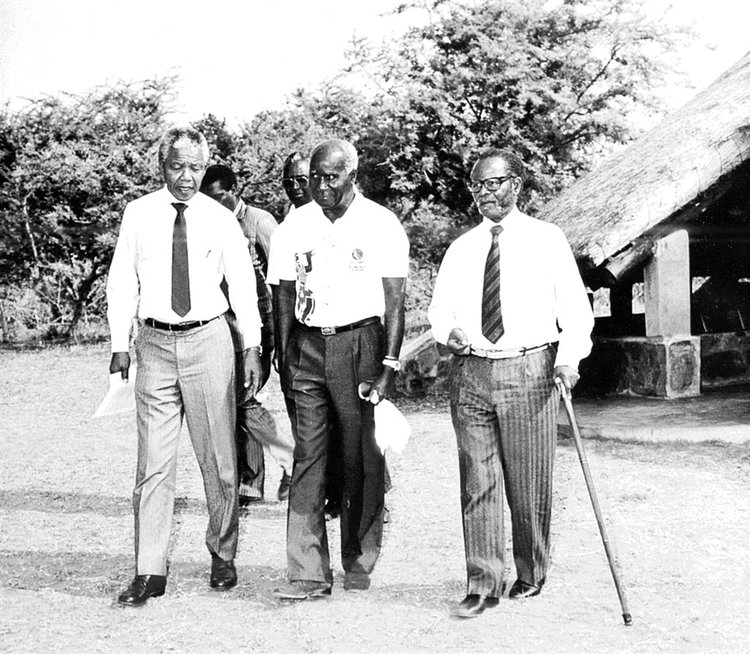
<point x="75" y="162"/>
<point x="557" y="82"/>
<point x="256" y="152"/>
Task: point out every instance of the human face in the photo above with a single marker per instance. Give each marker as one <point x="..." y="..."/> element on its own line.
<point x="217" y="192"/>
<point x="183" y="169"/>
<point x="331" y="186"/>
<point x="495" y="205"/>
<point x="296" y="182"/>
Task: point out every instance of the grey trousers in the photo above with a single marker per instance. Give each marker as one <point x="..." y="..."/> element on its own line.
<point x="186" y="374"/>
<point x="323" y="373"/>
<point x="504" y="414"/>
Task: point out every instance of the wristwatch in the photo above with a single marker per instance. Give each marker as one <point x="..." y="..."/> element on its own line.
<point x="394" y="364"/>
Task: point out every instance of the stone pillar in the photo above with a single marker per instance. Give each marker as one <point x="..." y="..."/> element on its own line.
<point x="674" y="351"/>
<point x="667" y="287"/>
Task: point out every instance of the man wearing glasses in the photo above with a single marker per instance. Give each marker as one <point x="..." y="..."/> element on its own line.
<point x="510" y="305"/>
<point x="296" y="184"/>
<point x="296" y="180"/>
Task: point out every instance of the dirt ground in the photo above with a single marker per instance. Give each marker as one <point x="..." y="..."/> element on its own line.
<point x="678" y="516"/>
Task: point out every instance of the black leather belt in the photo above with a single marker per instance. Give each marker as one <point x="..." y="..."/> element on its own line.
<point x="330" y="331"/>
<point x="177" y="326"/>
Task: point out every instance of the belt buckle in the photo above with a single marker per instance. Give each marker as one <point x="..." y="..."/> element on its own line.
<point x="328" y="331"/>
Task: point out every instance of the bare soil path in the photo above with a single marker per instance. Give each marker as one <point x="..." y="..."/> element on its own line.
<point x="679" y="517"/>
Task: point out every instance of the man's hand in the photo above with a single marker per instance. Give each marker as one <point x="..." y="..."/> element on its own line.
<point x="252" y="372"/>
<point x="382" y="387"/>
<point x="120" y="362"/>
<point x="458" y="343"/>
<point x="568" y="376"/>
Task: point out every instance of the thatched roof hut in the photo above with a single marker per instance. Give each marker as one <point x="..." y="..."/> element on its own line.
<point x="667" y="178"/>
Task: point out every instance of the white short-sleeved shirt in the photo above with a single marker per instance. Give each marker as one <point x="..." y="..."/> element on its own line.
<point x="338" y="267"/>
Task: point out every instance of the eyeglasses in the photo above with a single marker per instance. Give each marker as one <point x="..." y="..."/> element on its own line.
<point x="300" y="180"/>
<point x="492" y="184"/>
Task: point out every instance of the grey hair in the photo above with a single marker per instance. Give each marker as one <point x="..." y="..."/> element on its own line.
<point x="176" y="134"/>
<point x="348" y="151"/>
<point x="511" y="159"/>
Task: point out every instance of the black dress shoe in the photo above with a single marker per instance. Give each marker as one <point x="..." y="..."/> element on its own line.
<point x="356" y="581"/>
<point x="141" y="588"/>
<point x="522" y="590"/>
<point x="284" y="486"/>
<point x="249" y="500"/>
<point x="474" y="605"/>
<point x="223" y="573"/>
<point x="302" y="589"/>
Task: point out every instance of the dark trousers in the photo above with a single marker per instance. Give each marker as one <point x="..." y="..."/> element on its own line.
<point x="255" y="424"/>
<point x="321" y="376"/>
<point x="504" y="413"/>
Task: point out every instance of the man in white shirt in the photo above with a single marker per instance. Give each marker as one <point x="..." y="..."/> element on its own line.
<point x="510" y="305"/>
<point x="256" y="426"/>
<point x="339" y="269"/>
<point x="175" y="247"/>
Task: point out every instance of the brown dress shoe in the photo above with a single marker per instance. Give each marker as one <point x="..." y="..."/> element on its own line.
<point x="521" y="589"/>
<point x="474" y="605"/>
<point x="223" y="573"/>
<point x="141" y="588"/>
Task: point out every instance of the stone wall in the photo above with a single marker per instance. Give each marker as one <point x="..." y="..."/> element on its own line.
<point x="725" y="359"/>
<point x="644" y="366"/>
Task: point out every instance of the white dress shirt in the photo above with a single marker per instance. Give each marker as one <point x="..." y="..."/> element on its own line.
<point x="541" y="293"/>
<point x="140" y="277"/>
<point x="339" y="266"/>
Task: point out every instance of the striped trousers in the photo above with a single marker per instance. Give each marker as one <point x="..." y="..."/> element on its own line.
<point x="504" y="413"/>
<point x="186" y="375"/>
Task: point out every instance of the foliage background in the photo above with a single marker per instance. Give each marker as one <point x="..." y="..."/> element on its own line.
<point x="562" y="84"/>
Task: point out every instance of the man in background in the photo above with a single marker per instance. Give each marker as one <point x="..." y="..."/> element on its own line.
<point x="175" y="248"/>
<point x="295" y="181"/>
<point x="256" y="426"/>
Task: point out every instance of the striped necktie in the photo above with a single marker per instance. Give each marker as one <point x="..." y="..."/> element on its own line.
<point x="492" y="317"/>
<point x="180" y="270"/>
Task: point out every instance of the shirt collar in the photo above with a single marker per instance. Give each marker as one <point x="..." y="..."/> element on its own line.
<point x="509" y="220"/>
<point x="239" y="208"/>
<point x="171" y="198"/>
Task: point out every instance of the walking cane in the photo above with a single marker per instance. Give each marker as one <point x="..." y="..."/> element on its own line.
<point x="594" y="502"/>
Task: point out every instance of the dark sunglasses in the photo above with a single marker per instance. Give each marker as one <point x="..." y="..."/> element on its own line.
<point x="290" y="182"/>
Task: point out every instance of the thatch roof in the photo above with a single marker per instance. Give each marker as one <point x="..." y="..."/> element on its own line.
<point x="660" y="173"/>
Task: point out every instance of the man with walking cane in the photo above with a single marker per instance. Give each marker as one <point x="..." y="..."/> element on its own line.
<point x="510" y="305"/>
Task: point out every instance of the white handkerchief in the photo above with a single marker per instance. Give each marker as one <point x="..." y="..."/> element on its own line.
<point x="120" y="397"/>
<point x="392" y="430"/>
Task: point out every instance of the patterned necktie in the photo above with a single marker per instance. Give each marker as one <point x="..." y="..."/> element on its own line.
<point x="492" y="317"/>
<point x="180" y="271"/>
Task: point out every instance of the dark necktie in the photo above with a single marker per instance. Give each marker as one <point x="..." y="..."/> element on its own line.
<point x="180" y="271"/>
<point x="492" y="317"/>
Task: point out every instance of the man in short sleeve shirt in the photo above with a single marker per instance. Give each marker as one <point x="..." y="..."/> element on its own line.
<point x="341" y="274"/>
